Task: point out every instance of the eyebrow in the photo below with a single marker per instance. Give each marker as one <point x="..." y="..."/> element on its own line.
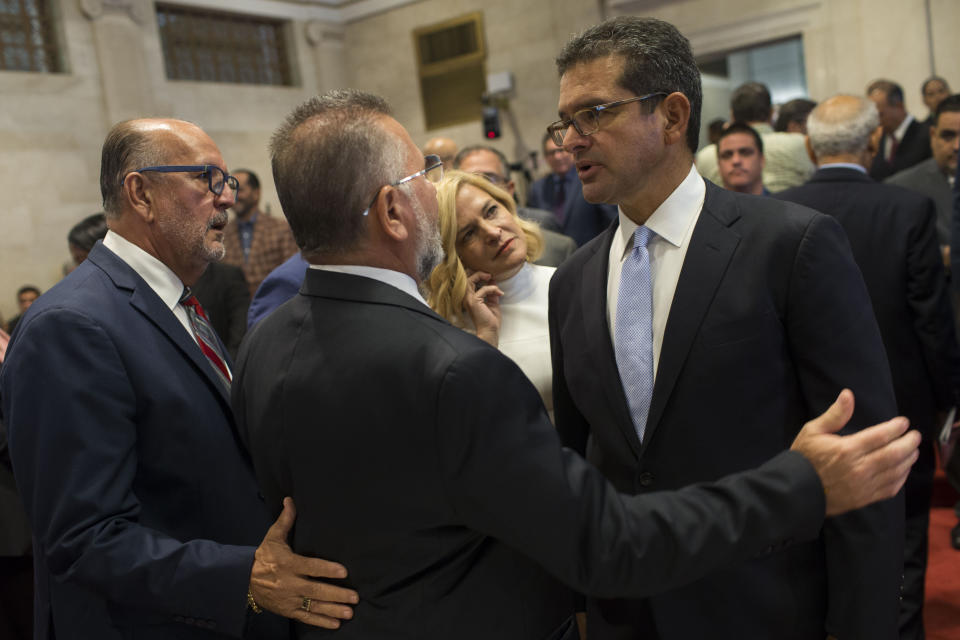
<point x="483" y="209"/>
<point x="585" y="103"/>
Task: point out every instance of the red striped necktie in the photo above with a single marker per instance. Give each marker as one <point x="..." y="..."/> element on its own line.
<point x="205" y="335"/>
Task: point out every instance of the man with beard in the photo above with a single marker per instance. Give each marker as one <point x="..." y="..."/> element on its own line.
<point x="145" y="511"/>
<point x="421" y="457"/>
<point x="254" y="241"/>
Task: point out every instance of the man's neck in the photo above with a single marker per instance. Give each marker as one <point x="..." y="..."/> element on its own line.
<point x="845" y="158"/>
<point x="753" y="189"/>
<point x="657" y="187"/>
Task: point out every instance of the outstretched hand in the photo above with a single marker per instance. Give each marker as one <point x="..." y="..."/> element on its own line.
<point x="860" y="468"/>
<point x="286" y="583"/>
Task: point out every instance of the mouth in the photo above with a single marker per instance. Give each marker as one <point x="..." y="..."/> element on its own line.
<point x="586" y="169"/>
<point x="506" y="245"/>
<point x="218" y="222"/>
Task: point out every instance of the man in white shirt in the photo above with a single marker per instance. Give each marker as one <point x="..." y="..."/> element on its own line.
<point x="699" y="304"/>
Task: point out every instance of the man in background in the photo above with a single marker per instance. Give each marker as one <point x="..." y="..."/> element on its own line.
<point x="905" y="142"/>
<point x="893" y="235"/>
<point x="934" y="90"/>
<point x="562" y="193"/>
<point x="740" y="159"/>
<point x="934" y="176"/>
<point x="26" y="296"/>
<point x="792" y="116"/>
<point x="787" y="163"/>
<point x="254" y="241"/>
<point x="446" y="148"/>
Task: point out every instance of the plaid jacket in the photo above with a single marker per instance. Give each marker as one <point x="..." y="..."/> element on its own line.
<point x="272" y="245"/>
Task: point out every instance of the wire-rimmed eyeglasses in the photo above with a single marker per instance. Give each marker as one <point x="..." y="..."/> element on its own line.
<point x="587" y="121"/>
<point x="216" y="177"/>
<point x="432" y="171"/>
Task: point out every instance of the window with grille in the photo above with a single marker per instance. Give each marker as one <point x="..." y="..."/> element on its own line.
<point x="27" y="38"/>
<point x="212" y="46"/>
<point x="450" y="57"/>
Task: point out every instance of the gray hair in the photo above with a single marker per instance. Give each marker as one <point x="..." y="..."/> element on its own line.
<point x="657" y="57"/>
<point x="329" y="159"/>
<point x="841" y="131"/>
<point x="126" y="148"/>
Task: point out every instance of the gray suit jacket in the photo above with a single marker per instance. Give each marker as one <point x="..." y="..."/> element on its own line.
<point x="928" y="179"/>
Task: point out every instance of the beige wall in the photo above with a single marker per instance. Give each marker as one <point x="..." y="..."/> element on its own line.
<point x="52" y="125"/>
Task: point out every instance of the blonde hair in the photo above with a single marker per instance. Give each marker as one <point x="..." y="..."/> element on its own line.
<point x="447" y="283"/>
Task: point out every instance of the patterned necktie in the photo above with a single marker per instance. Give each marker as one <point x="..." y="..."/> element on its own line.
<point x="633" y="335"/>
<point x="205" y="336"/>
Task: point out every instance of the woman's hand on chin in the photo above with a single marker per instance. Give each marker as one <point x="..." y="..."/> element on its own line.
<point x="482" y="302"/>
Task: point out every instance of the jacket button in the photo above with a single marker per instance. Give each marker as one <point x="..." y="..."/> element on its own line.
<point x="178" y="618"/>
<point x="190" y="621"/>
<point x="645" y="479"/>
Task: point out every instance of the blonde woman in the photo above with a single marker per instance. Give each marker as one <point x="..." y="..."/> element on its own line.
<point x="487" y="283"/>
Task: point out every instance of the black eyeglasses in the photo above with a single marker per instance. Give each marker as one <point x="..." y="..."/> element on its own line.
<point x="216" y="177"/>
<point x="432" y="171"/>
<point x="587" y="121"/>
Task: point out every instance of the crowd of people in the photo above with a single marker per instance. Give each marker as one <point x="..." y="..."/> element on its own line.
<point x="415" y="407"/>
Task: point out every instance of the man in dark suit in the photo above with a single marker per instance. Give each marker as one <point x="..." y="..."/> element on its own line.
<point x="561" y="193"/>
<point x="702" y="307"/>
<point x="905" y="142"/>
<point x="493" y="166"/>
<point x="932" y="176"/>
<point x="145" y="511"/>
<point x="222" y="290"/>
<point x="461" y="510"/>
<point x="893" y="234"/>
<point x="279" y="286"/>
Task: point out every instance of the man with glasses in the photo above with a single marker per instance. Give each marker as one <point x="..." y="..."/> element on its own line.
<point x="422" y="459"/>
<point x="561" y="193"/>
<point x="493" y="166"/>
<point x="693" y="338"/>
<point x="146" y="515"/>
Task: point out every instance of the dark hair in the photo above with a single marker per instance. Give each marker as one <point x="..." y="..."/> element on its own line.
<point x="716" y="126"/>
<point x="750" y="102"/>
<point x="795" y="110"/>
<point x="329" y="159"/>
<point x="85" y="233"/>
<point x="950" y="103"/>
<point x="466" y="151"/>
<point x="741" y="127"/>
<point x="27" y="288"/>
<point x="923" y="87"/>
<point x="657" y="58"/>
<point x="252" y="178"/>
<point x="892" y="90"/>
<point x="125" y="149"/>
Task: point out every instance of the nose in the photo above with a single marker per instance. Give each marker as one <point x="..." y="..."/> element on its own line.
<point x="490" y="231"/>
<point x="227" y="197"/>
<point x="573" y="140"/>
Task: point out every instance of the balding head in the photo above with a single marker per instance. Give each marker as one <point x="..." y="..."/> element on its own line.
<point x="443" y="147"/>
<point x="842" y="126"/>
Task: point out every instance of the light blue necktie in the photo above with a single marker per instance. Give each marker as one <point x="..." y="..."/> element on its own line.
<point x="633" y="334"/>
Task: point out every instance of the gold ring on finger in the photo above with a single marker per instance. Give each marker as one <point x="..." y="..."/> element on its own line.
<point x="305" y="605"/>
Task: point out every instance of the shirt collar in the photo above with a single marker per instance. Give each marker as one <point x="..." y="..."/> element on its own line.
<point x="843" y="165"/>
<point x="673" y="217"/>
<point x="394" y="278"/>
<point x="762" y="127"/>
<point x="159" y="276"/>
<point x="902" y="129"/>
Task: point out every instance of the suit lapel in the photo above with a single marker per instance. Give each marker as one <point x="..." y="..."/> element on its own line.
<point x="712" y="245"/>
<point x="593" y="306"/>
<point x="148" y="303"/>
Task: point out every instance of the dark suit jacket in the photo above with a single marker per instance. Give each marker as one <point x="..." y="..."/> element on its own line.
<point x="278" y="287"/>
<point x="222" y="291"/>
<point x="913" y="149"/>
<point x="928" y="179"/>
<point x="14" y="529"/>
<point x="769" y="322"/>
<point x="892" y="232"/>
<point x="144" y="506"/>
<point x="423" y="460"/>
<point x="582" y="221"/>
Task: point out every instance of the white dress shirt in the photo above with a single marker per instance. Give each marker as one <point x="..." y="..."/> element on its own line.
<point x="387" y="276"/>
<point x="159" y="276"/>
<point x="672" y="224"/>
<point x="897" y="135"/>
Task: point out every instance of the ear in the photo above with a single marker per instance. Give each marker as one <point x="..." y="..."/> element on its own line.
<point x="806" y="143"/>
<point x="392" y="213"/>
<point x="510" y="187"/>
<point x="139" y="195"/>
<point x="676" y="111"/>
